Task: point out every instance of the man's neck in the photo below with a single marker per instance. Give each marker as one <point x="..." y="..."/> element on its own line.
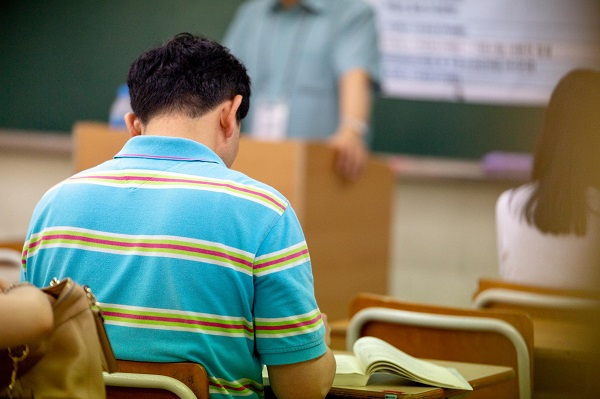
<point x="197" y="129"/>
<point x="288" y="3"/>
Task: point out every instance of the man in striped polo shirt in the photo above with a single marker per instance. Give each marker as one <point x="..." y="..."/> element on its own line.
<point x="192" y="261"/>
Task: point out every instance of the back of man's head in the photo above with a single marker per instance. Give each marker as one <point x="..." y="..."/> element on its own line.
<point x="187" y="75"/>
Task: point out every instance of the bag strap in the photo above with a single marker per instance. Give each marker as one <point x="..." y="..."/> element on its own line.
<point x="58" y="289"/>
<point x="110" y="362"/>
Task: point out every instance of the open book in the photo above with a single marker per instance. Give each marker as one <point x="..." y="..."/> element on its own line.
<point x="372" y="355"/>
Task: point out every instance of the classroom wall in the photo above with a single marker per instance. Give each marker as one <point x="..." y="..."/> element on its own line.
<point x="25" y="177"/>
<point x="443" y="234"/>
<point x="444" y="238"/>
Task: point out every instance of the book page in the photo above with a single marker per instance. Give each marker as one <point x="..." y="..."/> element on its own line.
<point x="377" y="355"/>
<point x="347" y="364"/>
<point x="349" y="371"/>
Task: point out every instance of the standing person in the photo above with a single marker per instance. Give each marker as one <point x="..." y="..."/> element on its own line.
<point x="549" y="229"/>
<point x="192" y="261"/>
<point x="313" y="65"/>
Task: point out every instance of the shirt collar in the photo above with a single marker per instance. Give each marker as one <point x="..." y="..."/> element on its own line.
<point x="168" y="149"/>
<point x="315" y="6"/>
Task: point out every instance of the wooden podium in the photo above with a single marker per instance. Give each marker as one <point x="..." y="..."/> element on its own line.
<point x="94" y="143"/>
<point x="347" y="224"/>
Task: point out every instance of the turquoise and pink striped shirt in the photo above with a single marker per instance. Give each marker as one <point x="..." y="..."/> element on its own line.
<point x="190" y="260"/>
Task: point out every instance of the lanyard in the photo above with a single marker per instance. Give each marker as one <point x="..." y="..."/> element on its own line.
<point x="265" y="51"/>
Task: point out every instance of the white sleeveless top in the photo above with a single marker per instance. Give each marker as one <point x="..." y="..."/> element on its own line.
<point x="528" y="256"/>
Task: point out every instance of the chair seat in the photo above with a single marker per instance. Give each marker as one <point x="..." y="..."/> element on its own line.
<point x="147" y="380"/>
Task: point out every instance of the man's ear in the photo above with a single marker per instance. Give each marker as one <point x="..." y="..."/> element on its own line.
<point x="134" y="125"/>
<point x="229" y="122"/>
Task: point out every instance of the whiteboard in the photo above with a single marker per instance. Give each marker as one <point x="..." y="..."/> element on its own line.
<point x="484" y="51"/>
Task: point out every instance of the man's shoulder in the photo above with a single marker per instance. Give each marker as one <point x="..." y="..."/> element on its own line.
<point x="263" y="189"/>
<point x="243" y="178"/>
<point x="227" y="180"/>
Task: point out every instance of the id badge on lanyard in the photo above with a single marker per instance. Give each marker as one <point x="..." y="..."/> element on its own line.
<point x="270" y="120"/>
<point x="271" y="116"/>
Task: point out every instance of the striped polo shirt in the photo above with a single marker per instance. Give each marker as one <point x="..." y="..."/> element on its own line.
<point x="191" y="261"/>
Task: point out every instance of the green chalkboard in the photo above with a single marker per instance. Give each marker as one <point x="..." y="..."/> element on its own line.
<point x="453" y="129"/>
<point x="62" y="61"/>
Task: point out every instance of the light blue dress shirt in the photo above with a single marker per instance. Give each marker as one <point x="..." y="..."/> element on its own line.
<point x="298" y="55"/>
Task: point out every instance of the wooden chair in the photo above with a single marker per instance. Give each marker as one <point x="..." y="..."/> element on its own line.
<point x="566" y="325"/>
<point x="538" y="302"/>
<point x="16" y="245"/>
<point x="146" y="380"/>
<point x="444" y="333"/>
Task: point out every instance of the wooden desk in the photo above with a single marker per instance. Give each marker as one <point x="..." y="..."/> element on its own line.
<point x="17" y="245"/>
<point x="565" y="352"/>
<point x="570" y="338"/>
<point x="391" y="387"/>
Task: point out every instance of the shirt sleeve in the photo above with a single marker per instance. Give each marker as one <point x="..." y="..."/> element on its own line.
<point x="288" y="325"/>
<point x="234" y="38"/>
<point x="356" y="43"/>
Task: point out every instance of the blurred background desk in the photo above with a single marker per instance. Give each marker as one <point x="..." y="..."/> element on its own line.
<point x="566" y="359"/>
<point x="566" y="334"/>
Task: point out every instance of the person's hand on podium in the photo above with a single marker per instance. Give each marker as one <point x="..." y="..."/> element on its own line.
<point x="350" y="153"/>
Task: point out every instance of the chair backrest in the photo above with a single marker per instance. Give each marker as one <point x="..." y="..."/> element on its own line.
<point x="444" y="333"/>
<point x="147" y="380"/>
<point x="538" y="302"/>
<point x="567" y="337"/>
<point x="16" y="245"/>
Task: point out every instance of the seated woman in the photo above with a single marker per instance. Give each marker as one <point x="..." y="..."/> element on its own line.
<point x="549" y="229"/>
<point x="26" y="314"/>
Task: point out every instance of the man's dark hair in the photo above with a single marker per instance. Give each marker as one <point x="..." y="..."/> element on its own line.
<point x="189" y="75"/>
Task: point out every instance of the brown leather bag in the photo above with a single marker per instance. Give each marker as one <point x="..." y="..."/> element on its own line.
<point x="69" y="362"/>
